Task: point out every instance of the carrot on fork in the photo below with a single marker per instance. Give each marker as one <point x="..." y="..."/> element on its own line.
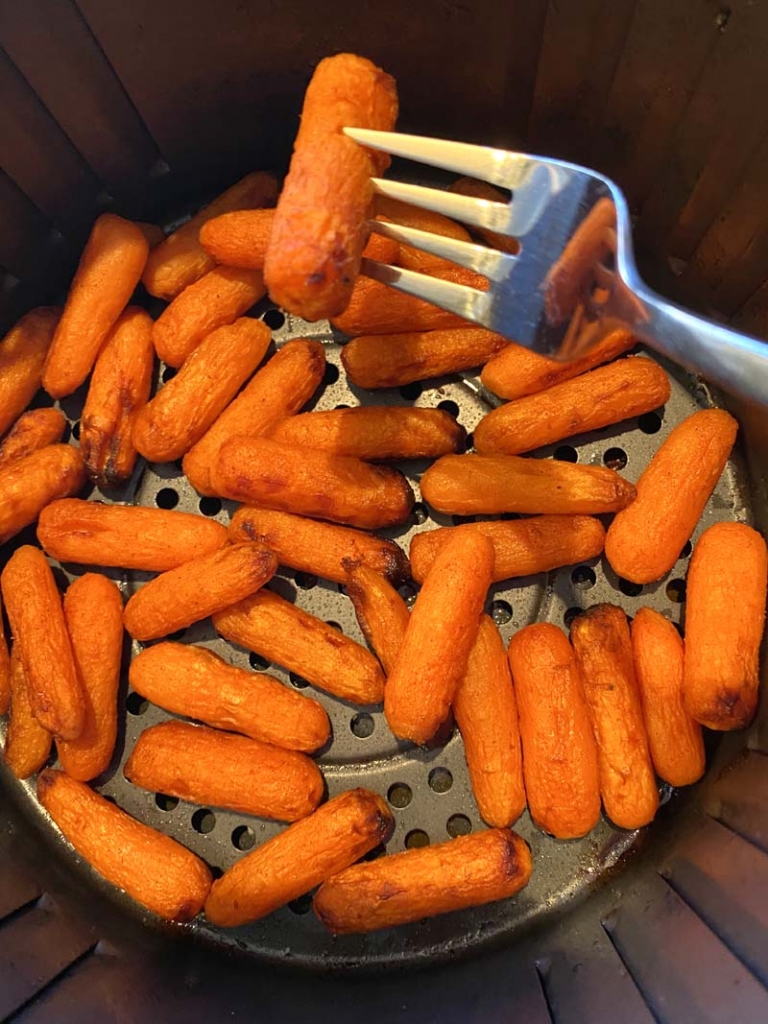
<point x="22" y="358"/>
<point x="32" y="431"/>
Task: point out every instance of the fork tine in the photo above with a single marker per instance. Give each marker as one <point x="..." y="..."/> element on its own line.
<point x="480" y="213"/>
<point x="488" y="262"/>
<point x="469" y="303"/>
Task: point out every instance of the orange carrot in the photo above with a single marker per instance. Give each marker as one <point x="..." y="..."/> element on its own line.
<point x="239" y="238"/>
<point x="30" y="484"/>
<point x="423" y="220"/>
<point x="22" y="357"/>
<point x="27" y="743"/>
<point x="31" y="432"/>
<point x="381" y="612"/>
<point x="5" y="666"/>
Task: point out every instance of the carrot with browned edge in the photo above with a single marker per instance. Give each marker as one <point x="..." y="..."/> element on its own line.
<point x="22" y="357"/>
<point x="521" y="547"/>
<point x="321" y="549"/>
<point x="197" y="589"/>
<point x="724" y="618"/>
<point x="128" y="536"/>
<point x="181" y="259"/>
<point x="674" y="739"/>
<point x="110" y="268"/>
<point x="603" y="647"/>
<point x="32" y="431"/>
<point x="392" y="360"/>
<point x="382" y="614"/>
<point x="486" y="713"/>
<point x="286" y="478"/>
<point x="30" y="484"/>
<point x="441" y="631"/>
<point x="487" y="484"/>
<point x="195" y="682"/>
<point x="301" y="857"/>
<point x="189" y="404"/>
<point x="154" y="869"/>
<point x="465" y="872"/>
<point x="279" y="389"/>
<point x="288" y="636"/>
<point x="27" y="743"/>
<point x="93" y="610"/>
<point x="645" y="540"/>
<point x="5" y="665"/>
<point x="220" y="769"/>
<point x="559" y="751"/>
<point x="596" y="399"/>
<point x="40" y="632"/>
<point x="320" y="225"/>
<point x="118" y="392"/>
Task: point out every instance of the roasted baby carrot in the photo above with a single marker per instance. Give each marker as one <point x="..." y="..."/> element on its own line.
<point x="181" y="259"/>
<point x="194" y="682"/>
<point x="288" y="636"/>
<point x="27" y="743"/>
<point x="441" y="631"/>
<point x="466" y="872"/>
<point x="127" y="536"/>
<point x="645" y="540"/>
<point x="486" y="713"/>
<point x="31" y="432"/>
<point x="517" y="371"/>
<point x="239" y="238"/>
<point x="154" y="869"/>
<point x="383" y="615"/>
<point x="521" y="547"/>
<point x="279" y="389"/>
<point x="724" y="617"/>
<point x="298" y="859"/>
<point x="486" y="484"/>
<point x="93" y="610"/>
<point x="375" y="432"/>
<point x="205" y="766"/>
<point x="391" y="360"/>
<point x="217" y="299"/>
<point x="596" y="399"/>
<point x="197" y="589"/>
<point x="320" y="225"/>
<point x="482" y="190"/>
<point x="37" y="623"/>
<point x="674" y="739"/>
<point x="603" y="648"/>
<point x="311" y="483"/>
<point x="5" y="666"/>
<point x="109" y="270"/>
<point x="318" y="548"/>
<point x="559" y="750"/>
<point x="30" y="484"/>
<point x="189" y="404"/>
<point x="22" y="357"/>
<point x="118" y="392"/>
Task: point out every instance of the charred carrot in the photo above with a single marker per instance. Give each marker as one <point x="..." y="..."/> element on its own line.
<point x="27" y="743"/>
<point x="22" y="357"/>
<point x="31" y="432"/>
<point x="381" y="612"/>
<point x="29" y="485"/>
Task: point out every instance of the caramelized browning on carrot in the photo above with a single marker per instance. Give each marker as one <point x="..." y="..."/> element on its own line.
<point x="28" y="485"/>
<point x="383" y="615"/>
<point x="27" y="743"/>
<point x="320" y="224"/>
<point x="22" y="357"/>
<point x="31" y="432"/>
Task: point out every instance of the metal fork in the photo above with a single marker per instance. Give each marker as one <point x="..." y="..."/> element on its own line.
<point x="574" y="278"/>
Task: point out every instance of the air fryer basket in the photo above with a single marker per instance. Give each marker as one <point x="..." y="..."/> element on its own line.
<point x="148" y="111"/>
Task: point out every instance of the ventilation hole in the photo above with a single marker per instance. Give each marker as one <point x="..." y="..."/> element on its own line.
<point x="210" y="506"/>
<point x="570" y="615"/>
<point x="461" y="520"/>
<point x="331" y="374"/>
<point x="615" y="458"/>
<point x="420" y="513"/>
<point x="243" y="838"/>
<point x="203" y="821"/>
<point x="305" y="580"/>
<point x="334" y="625"/>
<point x="76" y="430"/>
<point x="416" y="839"/>
<point x="169" y="373"/>
<point x="501" y="612"/>
<point x="470" y="442"/>
<point x="342" y="405"/>
<point x="136" y="704"/>
<point x="408" y="594"/>
<point x="375" y="853"/>
<point x="676" y="591"/>
<point x="565" y="453"/>
<point x="167" y="498"/>
<point x="176" y="636"/>
<point x="257" y="662"/>
<point x="274" y="319"/>
<point x="411" y="391"/>
<point x="301" y="905"/>
<point x="298" y="681"/>
<point x="649" y="422"/>
<point x="687" y="549"/>
<point x="399" y="794"/>
<point x="450" y="407"/>
<point x="165" y="802"/>
<point x="583" y="577"/>
<point x="362" y="725"/>
<point x="440" y="780"/>
<point x="458" y="825"/>
<point x="629" y="588"/>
